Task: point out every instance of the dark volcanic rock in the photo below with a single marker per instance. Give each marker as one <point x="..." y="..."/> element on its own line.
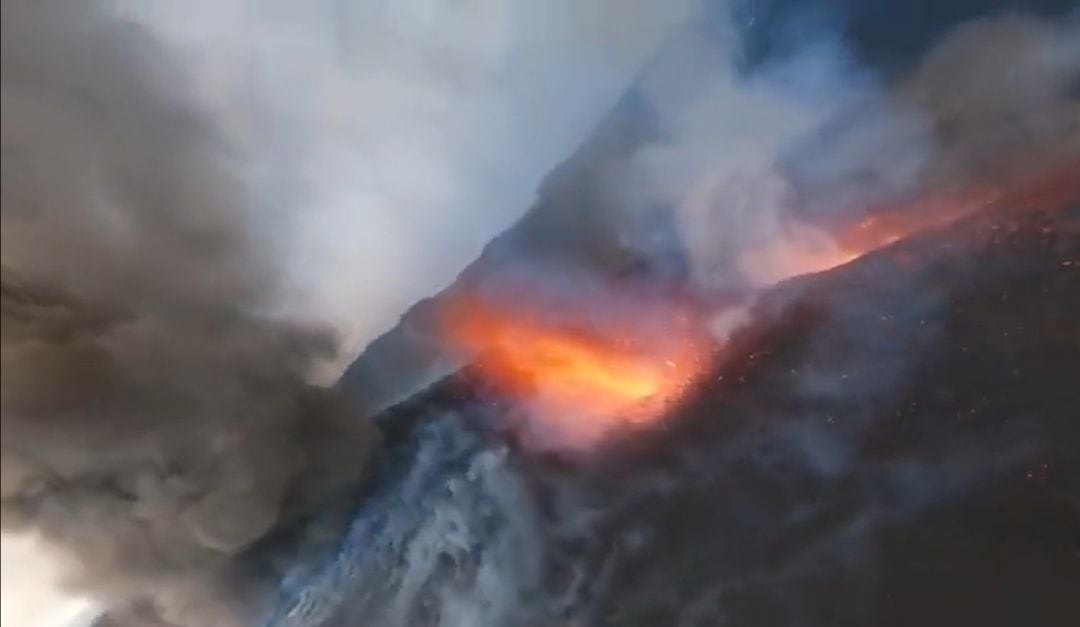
<point x="894" y="442"/>
<point x="901" y="446"/>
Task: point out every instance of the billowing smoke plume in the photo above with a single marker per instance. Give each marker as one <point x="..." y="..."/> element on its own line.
<point x="157" y="420"/>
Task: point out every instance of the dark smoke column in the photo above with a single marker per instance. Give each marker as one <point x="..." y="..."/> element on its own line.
<point x="157" y="421"/>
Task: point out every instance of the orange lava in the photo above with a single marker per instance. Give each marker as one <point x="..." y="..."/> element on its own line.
<point x="583" y="381"/>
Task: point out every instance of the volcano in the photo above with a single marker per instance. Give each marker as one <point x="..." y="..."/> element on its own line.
<point x="891" y="442"/>
<point x="791" y="340"/>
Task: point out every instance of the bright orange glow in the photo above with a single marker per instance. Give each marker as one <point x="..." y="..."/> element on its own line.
<point x="802" y="249"/>
<point x="583" y="381"/>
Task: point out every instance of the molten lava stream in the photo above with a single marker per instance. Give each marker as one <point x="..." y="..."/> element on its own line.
<point x="580" y="383"/>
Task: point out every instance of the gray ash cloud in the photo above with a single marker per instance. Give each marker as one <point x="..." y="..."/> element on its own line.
<point x="158" y="419"/>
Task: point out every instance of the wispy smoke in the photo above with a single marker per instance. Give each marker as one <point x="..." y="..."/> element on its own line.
<point x="757" y="165"/>
<point x="994" y="101"/>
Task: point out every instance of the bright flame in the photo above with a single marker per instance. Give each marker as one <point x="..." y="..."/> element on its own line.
<point x="583" y="382"/>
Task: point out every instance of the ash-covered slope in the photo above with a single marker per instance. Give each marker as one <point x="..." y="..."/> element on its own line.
<point x="893" y="442"/>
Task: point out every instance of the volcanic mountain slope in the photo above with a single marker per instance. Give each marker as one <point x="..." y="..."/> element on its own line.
<point x="892" y="442"/>
<point x="945" y="127"/>
<point x="897" y="446"/>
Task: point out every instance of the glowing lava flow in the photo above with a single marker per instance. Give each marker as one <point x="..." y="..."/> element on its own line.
<point x="585" y="382"/>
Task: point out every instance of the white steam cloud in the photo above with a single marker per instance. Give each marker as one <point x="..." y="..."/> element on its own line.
<point x="403" y="135"/>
